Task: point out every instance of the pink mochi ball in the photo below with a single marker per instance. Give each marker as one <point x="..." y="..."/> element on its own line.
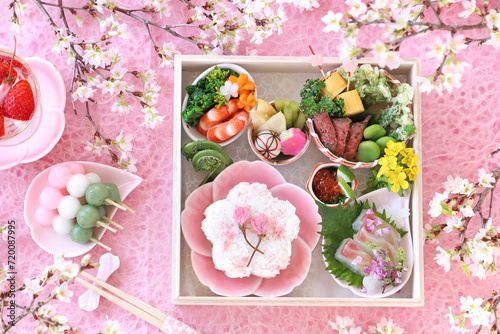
<point x="293" y="141"/>
<point x="50" y="198"/>
<point x="59" y="176"/>
<point x="45" y="217"/>
<point x="75" y="168"/>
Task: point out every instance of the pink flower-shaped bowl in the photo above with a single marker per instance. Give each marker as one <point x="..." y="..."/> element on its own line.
<point x="201" y="248"/>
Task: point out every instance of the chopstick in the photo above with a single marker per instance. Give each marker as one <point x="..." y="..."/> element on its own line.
<point x="144" y="311"/>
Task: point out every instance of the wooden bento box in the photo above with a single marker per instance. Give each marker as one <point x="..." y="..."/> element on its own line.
<point x="283" y="77"/>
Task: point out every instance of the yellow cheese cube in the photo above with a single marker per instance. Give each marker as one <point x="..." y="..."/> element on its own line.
<point x="352" y="103"/>
<point x="335" y="84"/>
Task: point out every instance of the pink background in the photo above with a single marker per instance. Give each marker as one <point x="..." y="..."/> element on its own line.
<point x="459" y="130"/>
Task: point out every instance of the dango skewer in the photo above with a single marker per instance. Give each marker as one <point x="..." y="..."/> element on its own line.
<point x="103" y="213"/>
<point x="88" y="216"/>
<point x="114" y="196"/>
<point x="84" y="235"/>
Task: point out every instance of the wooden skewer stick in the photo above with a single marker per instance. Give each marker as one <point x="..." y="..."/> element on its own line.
<point x="101" y="244"/>
<point x="320" y="68"/>
<point x="110" y="202"/>
<point x="105" y="226"/>
<point x="348" y="81"/>
<point x="106" y="219"/>
<point x="127" y="207"/>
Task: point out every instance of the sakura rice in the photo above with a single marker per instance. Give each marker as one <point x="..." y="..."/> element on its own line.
<point x="230" y="252"/>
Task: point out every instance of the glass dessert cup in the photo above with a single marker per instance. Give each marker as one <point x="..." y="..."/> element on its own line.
<point x="17" y="131"/>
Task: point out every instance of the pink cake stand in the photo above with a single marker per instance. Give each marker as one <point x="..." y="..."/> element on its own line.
<point x="48" y="125"/>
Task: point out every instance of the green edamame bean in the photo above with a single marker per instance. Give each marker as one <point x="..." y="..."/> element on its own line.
<point x="382" y="142"/>
<point x="374" y="132"/>
<point x="368" y="151"/>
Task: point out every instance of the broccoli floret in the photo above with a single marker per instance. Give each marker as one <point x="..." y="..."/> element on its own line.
<point x="219" y="100"/>
<point x="217" y="77"/>
<point x="201" y="98"/>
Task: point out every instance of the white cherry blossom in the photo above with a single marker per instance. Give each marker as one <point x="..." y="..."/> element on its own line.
<point x="332" y="21"/>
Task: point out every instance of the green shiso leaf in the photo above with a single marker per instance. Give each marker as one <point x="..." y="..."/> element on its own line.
<point x="337" y="226"/>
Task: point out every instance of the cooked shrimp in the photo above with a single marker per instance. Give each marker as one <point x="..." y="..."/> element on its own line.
<point x="228" y="129"/>
<point x="215" y="116"/>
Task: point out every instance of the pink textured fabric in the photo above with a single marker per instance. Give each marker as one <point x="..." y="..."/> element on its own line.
<point x="459" y="131"/>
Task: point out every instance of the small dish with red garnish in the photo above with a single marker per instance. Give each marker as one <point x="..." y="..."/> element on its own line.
<point x="332" y="184"/>
<point x="19" y="95"/>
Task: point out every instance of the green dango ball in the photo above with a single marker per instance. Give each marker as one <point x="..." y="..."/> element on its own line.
<point x="87" y="216"/>
<point x="103" y="212"/>
<point x="368" y="151"/>
<point x="80" y="234"/>
<point x="96" y="194"/>
<point x="113" y="192"/>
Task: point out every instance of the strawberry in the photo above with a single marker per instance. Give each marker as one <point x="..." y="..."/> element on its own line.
<point x="20" y="103"/>
<point x="2" y="124"/>
<point x="4" y="71"/>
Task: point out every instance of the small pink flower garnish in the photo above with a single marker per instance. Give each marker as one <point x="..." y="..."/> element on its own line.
<point x="378" y="221"/>
<point x="316" y="59"/>
<point x="386" y="230"/>
<point x="241" y="215"/>
<point x="378" y="233"/>
<point x="349" y="65"/>
<point x="370" y="211"/>
<point x="259" y="224"/>
<point x="357" y="260"/>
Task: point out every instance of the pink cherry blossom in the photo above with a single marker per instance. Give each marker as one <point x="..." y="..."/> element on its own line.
<point x="259" y="224"/>
<point x="241" y="215"/>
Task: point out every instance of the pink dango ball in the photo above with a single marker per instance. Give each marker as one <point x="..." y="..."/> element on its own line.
<point x="59" y="176"/>
<point x="45" y="217"/>
<point x="75" y="168"/>
<point x="50" y="198"/>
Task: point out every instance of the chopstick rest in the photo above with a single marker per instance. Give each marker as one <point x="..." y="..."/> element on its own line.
<point x="89" y="301"/>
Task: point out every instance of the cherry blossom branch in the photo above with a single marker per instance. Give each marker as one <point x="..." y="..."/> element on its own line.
<point x="68" y="273"/>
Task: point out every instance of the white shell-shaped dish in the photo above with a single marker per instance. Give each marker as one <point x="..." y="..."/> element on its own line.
<point x="391" y="202"/>
<point x="55" y="243"/>
<point x="191" y="131"/>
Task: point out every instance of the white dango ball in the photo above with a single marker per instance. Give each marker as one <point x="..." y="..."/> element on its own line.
<point x="68" y="207"/>
<point x="63" y="225"/>
<point x="93" y="178"/>
<point x="77" y="185"/>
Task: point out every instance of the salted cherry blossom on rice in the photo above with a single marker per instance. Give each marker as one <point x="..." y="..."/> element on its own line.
<point x="201" y="248"/>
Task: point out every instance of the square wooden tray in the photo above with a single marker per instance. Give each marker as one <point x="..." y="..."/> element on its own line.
<point x="283" y="77"/>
